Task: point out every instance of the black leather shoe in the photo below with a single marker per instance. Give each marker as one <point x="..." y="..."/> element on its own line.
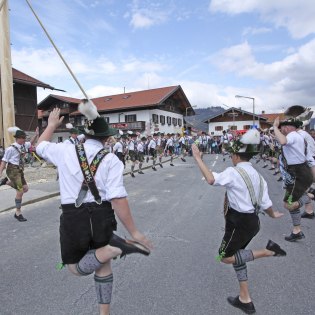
<point x="306" y="215"/>
<point x="274" y="247"/>
<point x="161" y="165"/>
<point x="172" y="164"/>
<point x="247" y="308"/>
<point x="257" y="161"/>
<point x="276" y="172"/>
<point x="128" y="246"/>
<point x="153" y="167"/>
<point x="140" y="172"/>
<point x="19" y="217"/>
<point x="147" y="159"/>
<point x="279" y="179"/>
<point x="265" y="166"/>
<point x="132" y="175"/>
<point x="183" y="159"/>
<point x="294" y="237"/>
<point x="3" y="181"/>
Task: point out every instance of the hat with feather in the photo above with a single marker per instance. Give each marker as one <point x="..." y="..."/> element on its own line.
<point x="72" y="130"/>
<point x="297" y="116"/>
<point x="17" y="132"/>
<point x="95" y="125"/>
<point x="247" y="144"/>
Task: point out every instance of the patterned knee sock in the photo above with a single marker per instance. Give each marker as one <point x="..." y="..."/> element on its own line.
<point x="88" y="264"/>
<point x="243" y="256"/>
<point x="104" y="288"/>
<point x="296" y="217"/>
<point x="241" y="272"/>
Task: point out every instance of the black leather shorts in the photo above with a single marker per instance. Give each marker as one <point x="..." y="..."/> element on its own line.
<point x="88" y="227"/>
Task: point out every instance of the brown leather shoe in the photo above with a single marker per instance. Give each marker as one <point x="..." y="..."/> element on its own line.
<point x="247" y="308"/>
<point x="128" y="246"/>
<point x="19" y="217"/>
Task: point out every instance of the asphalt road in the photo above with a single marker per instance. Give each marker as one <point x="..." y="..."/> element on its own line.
<point x="183" y="217"/>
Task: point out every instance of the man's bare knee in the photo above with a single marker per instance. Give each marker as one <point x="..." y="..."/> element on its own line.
<point x="228" y="260"/>
<point x="73" y="269"/>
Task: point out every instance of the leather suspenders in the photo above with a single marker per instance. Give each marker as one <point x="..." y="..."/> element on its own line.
<point x="88" y="172"/>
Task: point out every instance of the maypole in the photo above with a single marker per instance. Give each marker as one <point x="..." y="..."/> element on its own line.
<point x="6" y="96"/>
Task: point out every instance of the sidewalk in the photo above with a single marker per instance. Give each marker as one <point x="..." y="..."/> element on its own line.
<point x="44" y="188"/>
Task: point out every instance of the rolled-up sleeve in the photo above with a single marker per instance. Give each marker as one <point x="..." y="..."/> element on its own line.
<point x="114" y="183"/>
<point x="51" y="152"/>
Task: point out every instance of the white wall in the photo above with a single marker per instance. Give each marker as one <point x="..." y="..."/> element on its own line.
<point x="146" y="115"/>
<point x="227" y="125"/>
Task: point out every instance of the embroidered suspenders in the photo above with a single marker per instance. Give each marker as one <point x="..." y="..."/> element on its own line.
<point x="256" y="203"/>
<point x="88" y="172"/>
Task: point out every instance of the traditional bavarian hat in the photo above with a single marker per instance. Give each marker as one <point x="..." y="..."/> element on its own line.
<point x="95" y="125"/>
<point x="72" y="130"/>
<point x="247" y="144"/>
<point x="291" y="122"/>
<point x="17" y="132"/>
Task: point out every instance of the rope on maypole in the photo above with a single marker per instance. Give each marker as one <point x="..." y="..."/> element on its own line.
<point x="58" y="52"/>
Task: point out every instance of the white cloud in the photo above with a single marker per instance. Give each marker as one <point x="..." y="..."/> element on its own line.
<point x="255" y="31"/>
<point x="295" y="15"/>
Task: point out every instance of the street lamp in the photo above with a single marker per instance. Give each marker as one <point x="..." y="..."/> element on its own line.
<point x="253" y="99"/>
<point x="194" y="106"/>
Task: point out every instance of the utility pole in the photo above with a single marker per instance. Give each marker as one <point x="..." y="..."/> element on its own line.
<point x="6" y="85"/>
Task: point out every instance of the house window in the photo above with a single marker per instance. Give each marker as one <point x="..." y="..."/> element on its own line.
<point x="246" y="127"/>
<point x="218" y="128"/>
<point x="130" y="118"/>
<point x="155" y="118"/>
<point x="169" y="120"/>
<point x="233" y="128"/>
<point x="180" y="123"/>
<point x="174" y="121"/>
<point x="162" y="119"/>
<point x="106" y="118"/>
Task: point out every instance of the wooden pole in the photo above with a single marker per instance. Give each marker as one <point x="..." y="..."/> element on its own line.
<point x="7" y="98"/>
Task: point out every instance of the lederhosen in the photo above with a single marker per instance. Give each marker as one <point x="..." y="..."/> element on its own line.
<point x="141" y="154"/>
<point x="121" y="155"/>
<point x="87" y="225"/>
<point x="16" y="172"/>
<point x="240" y="228"/>
<point x="152" y="151"/>
<point x="133" y="153"/>
<point x="297" y="179"/>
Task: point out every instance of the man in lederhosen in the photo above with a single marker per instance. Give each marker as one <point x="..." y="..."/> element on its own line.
<point x="169" y="147"/>
<point x="120" y="148"/>
<point x="140" y="152"/>
<point x="132" y="152"/>
<point x="92" y="193"/>
<point x="296" y="173"/>
<point x="247" y="194"/>
<point x="152" y="150"/>
<point x="13" y="161"/>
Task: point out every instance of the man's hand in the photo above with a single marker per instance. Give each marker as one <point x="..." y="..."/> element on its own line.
<point x="195" y="151"/>
<point x="54" y="119"/>
<point x="140" y="238"/>
<point x="276" y="123"/>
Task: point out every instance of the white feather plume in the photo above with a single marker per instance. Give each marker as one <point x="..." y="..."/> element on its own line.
<point x="88" y="109"/>
<point x="306" y="115"/>
<point x="252" y="136"/>
<point x="120" y="132"/>
<point x="69" y="126"/>
<point x="13" y="130"/>
<point x="129" y="132"/>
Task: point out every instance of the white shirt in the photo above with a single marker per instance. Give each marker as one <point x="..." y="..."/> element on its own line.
<point x="108" y="178"/>
<point x="237" y="191"/>
<point x="152" y="144"/>
<point x="309" y="140"/>
<point x="118" y="147"/>
<point x="140" y="147"/>
<point x="294" y="149"/>
<point x="12" y="155"/>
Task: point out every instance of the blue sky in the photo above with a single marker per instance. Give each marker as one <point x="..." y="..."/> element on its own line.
<point x="214" y="49"/>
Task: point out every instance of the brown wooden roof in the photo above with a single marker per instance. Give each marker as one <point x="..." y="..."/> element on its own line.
<point x="125" y="101"/>
<point x="23" y="78"/>
<point x="271" y="117"/>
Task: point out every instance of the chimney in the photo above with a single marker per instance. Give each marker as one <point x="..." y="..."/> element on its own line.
<point x="263" y="112"/>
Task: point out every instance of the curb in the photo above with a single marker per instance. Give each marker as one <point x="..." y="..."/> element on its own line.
<point x="57" y="193"/>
